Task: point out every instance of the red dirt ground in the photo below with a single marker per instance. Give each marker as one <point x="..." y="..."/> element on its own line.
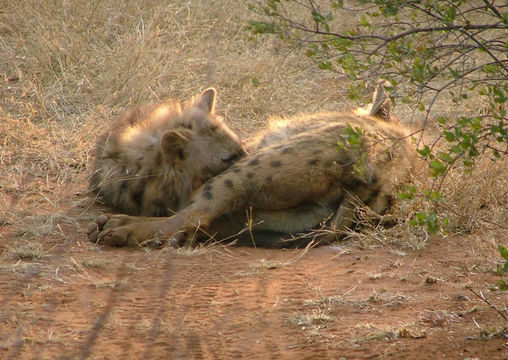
<point x="81" y="301"/>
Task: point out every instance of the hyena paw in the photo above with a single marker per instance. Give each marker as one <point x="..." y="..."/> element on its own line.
<point x="113" y="230"/>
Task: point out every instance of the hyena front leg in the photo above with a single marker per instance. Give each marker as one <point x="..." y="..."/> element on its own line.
<point x="125" y="230"/>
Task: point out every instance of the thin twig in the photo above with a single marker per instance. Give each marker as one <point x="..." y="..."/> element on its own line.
<point x="485" y="300"/>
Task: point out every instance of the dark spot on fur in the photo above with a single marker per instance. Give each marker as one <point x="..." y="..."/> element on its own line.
<point x="208" y="186"/>
<point x="334" y="203"/>
<point x="124" y="186"/>
<point x="254" y="162"/>
<point x="372" y="195"/>
<point x="207" y="195"/>
<point x="250" y="175"/>
<point x="137" y="196"/>
<point x="180" y="154"/>
<point x="344" y="160"/>
<point x="275" y="163"/>
<point x="235" y="169"/>
<point x="313" y="162"/>
<point x="389" y="202"/>
<point x="158" y="160"/>
<point x="269" y="178"/>
<point x="286" y="150"/>
<point x="159" y="208"/>
<point x="374" y="180"/>
<point x="277" y="147"/>
<point x="112" y="155"/>
<point x="228" y="183"/>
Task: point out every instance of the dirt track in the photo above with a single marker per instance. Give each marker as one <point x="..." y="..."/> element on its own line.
<point x="344" y="301"/>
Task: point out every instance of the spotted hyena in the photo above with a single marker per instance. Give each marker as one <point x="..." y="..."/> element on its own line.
<point x="153" y="157"/>
<point x="302" y="172"/>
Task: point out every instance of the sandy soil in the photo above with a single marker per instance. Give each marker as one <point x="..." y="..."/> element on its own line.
<point x="64" y="298"/>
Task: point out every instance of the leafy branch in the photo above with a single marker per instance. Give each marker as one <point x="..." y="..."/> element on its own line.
<point x="427" y="50"/>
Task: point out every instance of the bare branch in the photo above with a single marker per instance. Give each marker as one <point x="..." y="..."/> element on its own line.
<point x="486" y="301"/>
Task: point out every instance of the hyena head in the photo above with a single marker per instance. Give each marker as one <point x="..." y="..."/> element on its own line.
<point x="202" y="145"/>
<point x="152" y="158"/>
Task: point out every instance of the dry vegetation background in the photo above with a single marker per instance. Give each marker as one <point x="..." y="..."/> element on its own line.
<point x="68" y="67"/>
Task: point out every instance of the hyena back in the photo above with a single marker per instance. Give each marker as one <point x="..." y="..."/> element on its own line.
<point x="153" y="157"/>
<point x="303" y="172"/>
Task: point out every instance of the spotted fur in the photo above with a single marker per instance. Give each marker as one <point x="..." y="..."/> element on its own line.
<point x="301" y="173"/>
<point x="153" y="157"/>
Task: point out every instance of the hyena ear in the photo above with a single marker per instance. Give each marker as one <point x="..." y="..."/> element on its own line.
<point x="207" y="101"/>
<point x="174" y="144"/>
<point x="381" y="104"/>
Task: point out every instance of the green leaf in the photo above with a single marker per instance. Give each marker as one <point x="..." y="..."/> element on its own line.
<point x="456" y="149"/>
<point x="502" y="285"/>
<point x="405" y="196"/>
<point x="436" y="168"/>
<point x="318" y="17"/>
<point x="364" y="22"/>
<point x="390" y="10"/>
<point x="424" y="152"/>
<point x="442" y="120"/>
<point x="261" y="27"/>
<point x="449" y="136"/>
<point x="449" y="14"/>
<point x="455" y="73"/>
<point x="503" y="251"/>
<point x="325" y="65"/>
<point x="436" y="164"/>
<point x="435" y="196"/>
<point x="445" y="157"/>
<point x="337" y="4"/>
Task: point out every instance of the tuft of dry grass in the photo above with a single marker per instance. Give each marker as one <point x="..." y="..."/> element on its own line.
<point x="27" y="250"/>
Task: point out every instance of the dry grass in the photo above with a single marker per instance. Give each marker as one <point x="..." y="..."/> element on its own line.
<point x="69" y="67"/>
<point x="27" y="250"/>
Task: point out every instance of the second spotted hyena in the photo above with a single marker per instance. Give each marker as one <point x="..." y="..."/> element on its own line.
<point x="303" y="172"/>
<point x="153" y="157"/>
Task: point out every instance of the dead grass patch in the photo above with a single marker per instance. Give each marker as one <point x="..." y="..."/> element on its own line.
<point x="27" y="250"/>
<point x="69" y="68"/>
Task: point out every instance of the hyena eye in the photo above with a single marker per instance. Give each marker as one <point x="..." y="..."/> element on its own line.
<point x="230" y="158"/>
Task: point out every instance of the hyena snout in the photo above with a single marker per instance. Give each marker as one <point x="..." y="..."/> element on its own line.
<point x="230" y="158"/>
